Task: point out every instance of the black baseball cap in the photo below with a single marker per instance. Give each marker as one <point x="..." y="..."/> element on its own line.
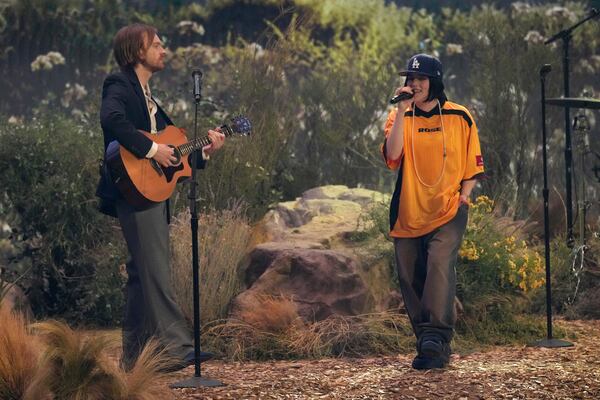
<point x="424" y="64"/>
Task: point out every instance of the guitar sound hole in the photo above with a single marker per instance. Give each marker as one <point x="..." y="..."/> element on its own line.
<point x="177" y="155"/>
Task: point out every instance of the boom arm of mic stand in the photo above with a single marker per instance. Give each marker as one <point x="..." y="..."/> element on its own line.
<point x="567" y="32"/>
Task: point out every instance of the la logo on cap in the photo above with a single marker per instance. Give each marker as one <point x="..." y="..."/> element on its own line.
<point x="415" y="63"/>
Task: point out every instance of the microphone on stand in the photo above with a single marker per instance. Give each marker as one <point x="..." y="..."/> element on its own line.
<point x="546" y="68"/>
<point x="401" y="97"/>
<point x="197" y="76"/>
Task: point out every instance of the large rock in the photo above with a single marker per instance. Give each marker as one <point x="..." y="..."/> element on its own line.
<point x="321" y="216"/>
<point x="304" y="255"/>
<point x="320" y="282"/>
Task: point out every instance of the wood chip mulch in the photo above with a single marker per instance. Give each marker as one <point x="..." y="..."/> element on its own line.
<point x="499" y="373"/>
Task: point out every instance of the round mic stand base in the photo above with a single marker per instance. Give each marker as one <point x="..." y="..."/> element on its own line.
<point x="196" y="382"/>
<point x="552" y="343"/>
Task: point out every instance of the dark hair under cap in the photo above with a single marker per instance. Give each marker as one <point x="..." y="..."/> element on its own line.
<point x="436" y="89"/>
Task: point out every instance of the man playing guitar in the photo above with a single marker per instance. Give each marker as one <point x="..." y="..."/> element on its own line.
<point x="128" y="107"/>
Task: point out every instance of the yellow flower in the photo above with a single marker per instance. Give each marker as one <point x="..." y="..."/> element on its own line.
<point x="469" y="251"/>
<point x="536" y="284"/>
<point x="484" y="204"/>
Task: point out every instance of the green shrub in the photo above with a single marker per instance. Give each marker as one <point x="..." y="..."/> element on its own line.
<point x="497" y="273"/>
<point x="50" y="171"/>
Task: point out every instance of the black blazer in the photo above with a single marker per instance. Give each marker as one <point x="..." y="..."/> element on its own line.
<point x="122" y="113"/>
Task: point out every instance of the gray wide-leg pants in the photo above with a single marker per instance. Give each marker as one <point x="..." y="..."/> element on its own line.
<point x="150" y="308"/>
<point x="427" y="275"/>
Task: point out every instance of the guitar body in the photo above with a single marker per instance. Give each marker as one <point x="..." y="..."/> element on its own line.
<point x="142" y="181"/>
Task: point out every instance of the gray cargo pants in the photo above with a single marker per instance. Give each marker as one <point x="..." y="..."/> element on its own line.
<point x="150" y="308"/>
<point x="427" y="275"/>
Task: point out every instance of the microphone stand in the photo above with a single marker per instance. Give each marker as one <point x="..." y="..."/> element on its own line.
<point x="197" y="380"/>
<point x="566" y="35"/>
<point x="549" y="341"/>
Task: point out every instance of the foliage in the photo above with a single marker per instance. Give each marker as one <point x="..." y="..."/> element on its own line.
<point x="491" y="260"/>
<point x="503" y="91"/>
<point x="574" y="281"/>
<point x="77" y="365"/>
<point x="21" y="374"/>
<point x="274" y="331"/>
<point x="338" y="85"/>
<point x="222" y="243"/>
<point x="52" y="361"/>
<point x="252" y="83"/>
<point x="314" y="78"/>
<point x="49" y="174"/>
<point x="496" y="273"/>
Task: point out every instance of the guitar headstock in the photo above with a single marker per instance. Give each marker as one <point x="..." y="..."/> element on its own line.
<point x="239" y="125"/>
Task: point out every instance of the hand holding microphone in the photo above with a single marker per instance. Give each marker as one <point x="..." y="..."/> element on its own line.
<point x="402" y="94"/>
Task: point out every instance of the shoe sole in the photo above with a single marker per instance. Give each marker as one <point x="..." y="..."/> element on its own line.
<point x="428" y="363"/>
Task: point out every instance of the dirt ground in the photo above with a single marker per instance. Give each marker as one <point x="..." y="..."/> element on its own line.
<point x="498" y="373"/>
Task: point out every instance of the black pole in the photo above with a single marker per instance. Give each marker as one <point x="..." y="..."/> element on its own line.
<point x="543" y="72"/>
<point x="568" y="145"/>
<point x="566" y="36"/>
<point x="195" y="260"/>
<point x="549" y="342"/>
<point x="198" y="380"/>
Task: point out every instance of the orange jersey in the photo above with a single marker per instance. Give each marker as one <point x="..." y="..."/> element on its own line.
<point x="428" y="187"/>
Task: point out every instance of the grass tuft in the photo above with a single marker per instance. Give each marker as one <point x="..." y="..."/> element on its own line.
<point x="273" y="314"/>
<point x="21" y="375"/>
<point x="382" y="333"/>
<point x="77" y="364"/>
<point x="144" y="381"/>
<point x="222" y="243"/>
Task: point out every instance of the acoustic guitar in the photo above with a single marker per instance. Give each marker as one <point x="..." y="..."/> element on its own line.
<point x="143" y="182"/>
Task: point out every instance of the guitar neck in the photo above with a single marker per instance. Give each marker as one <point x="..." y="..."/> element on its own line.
<point x="200" y="142"/>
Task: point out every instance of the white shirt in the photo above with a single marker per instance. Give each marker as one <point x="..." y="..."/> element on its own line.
<point x="152" y="109"/>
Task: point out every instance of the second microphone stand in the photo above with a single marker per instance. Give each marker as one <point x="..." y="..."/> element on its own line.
<point x="549" y="341"/>
<point x="197" y="380"/>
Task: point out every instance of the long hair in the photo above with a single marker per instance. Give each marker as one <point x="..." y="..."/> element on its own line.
<point x="436" y="90"/>
<point x="129" y="41"/>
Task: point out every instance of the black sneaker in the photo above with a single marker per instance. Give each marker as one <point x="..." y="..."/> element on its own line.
<point x="432" y="352"/>
<point x="422" y="362"/>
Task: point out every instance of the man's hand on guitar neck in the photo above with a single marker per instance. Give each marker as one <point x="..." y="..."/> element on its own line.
<point x="216" y="141"/>
<point x="164" y="155"/>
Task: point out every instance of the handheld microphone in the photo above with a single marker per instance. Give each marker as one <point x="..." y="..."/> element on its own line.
<point x="197" y="76"/>
<point x="401" y="97"/>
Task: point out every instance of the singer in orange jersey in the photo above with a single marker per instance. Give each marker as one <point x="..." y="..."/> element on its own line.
<point x="434" y="145"/>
